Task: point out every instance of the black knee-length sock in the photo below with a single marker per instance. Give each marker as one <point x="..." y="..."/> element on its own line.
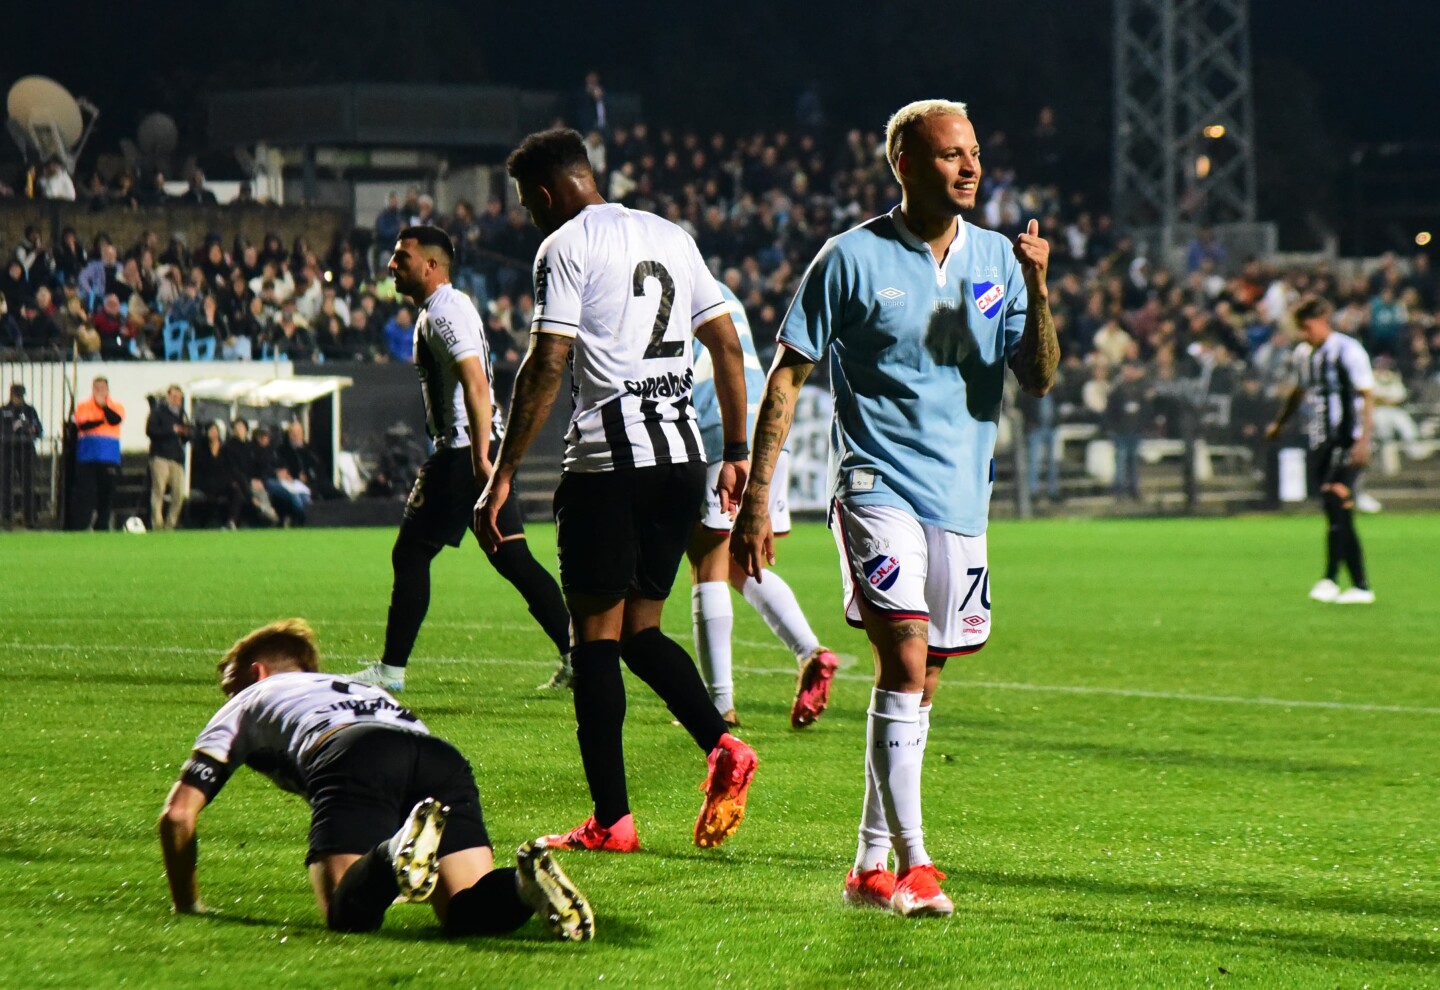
<point x="663" y="664"/>
<point x="599" y="726"/>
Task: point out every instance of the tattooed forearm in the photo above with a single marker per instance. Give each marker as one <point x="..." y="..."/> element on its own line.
<point x="1038" y="354"/>
<point x="536" y="384"/>
<point x="777" y="413"/>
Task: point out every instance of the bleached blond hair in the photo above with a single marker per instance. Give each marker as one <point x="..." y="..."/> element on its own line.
<point x="912" y="113"/>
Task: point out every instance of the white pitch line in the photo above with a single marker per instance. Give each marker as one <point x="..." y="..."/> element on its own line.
<point x="1112" y="692"/>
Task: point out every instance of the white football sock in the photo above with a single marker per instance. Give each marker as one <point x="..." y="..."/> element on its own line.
<point x="873" y="850"/>
<point x="714" y="620"/>
<point x="896" y="739"/>
<point x="398" y="673"/>
<point x="776" y="604"/>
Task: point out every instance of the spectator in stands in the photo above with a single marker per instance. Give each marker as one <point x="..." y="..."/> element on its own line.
<point x="109" y="322"/>
<point x="56" y="183"/>
<point x="13" y="285"/>
<point x="1125" y="422"/>
<point x="1387" y="318"/>
<point x="243" y="461"/>
<point x="400" y="336"/>
<point x="155" y="195"/>
<point x="288" y="494"/>
<point x="389" y="222"/>
<point x="289" y="340"/>
<point x="209" y="321"/>
<point x="1205" y="246"/>
<point x="70" y="256"/>
<point x="216" y="497"/>
<point x="196" y="194"/>
<point x="334" y="341"/>
<point x="169" y="431"/>
<point x="34" y="258"/>
<point x="37" y="330"/>
<point x="1111" y="342"/>
<point x="1095" y="393"/>
<point x="500" y="324"/>
<point x="591" y="113"/>
<point x="303" y="464"/>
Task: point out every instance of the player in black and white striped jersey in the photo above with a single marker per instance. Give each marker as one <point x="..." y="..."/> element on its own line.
<point x="1334" y="373"/>
<point x="620" y="293"/>
<point x="453" y="361"/>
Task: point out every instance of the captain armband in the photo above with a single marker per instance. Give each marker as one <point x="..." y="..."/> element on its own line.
<point x="205" y="773"/>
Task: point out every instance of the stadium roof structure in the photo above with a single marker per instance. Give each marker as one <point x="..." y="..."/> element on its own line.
<point x="392" y="115"/>
<point x="276" y="392"/>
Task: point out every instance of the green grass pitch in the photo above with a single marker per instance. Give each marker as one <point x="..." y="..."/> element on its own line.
<point x="1168" y="769"/>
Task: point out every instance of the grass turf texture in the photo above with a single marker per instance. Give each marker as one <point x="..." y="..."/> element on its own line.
<point x="1168" y="768"/>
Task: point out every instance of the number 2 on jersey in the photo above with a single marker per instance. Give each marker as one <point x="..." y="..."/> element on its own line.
<point x="659" y="347"/>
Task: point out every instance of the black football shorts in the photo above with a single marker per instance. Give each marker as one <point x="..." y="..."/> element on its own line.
<point x="441" y="506"/>
<point x="366" y="779"/>
<point x="623" y="532"/>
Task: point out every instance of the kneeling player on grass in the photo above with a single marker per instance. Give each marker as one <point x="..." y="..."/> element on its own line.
<point x="711" y="567"/>
<point x="394" y="810"/>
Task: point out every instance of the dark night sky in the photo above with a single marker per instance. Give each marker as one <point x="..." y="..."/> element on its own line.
<point x="736" y="64"/>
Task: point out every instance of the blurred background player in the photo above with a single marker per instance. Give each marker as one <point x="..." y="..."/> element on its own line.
<point x="713" y="572"/>
<point x="453" y="361"/>
<point x="1334" y="372"/>
<point x="362" y="762"/>
<point x="627" y="291"/>
<point x="918" y="314"/>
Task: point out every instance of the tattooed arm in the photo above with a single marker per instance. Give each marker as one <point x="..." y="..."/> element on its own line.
<point x="536" y="384"/>
<point x="1038" y="353"/>
<point x="752" y="543"/>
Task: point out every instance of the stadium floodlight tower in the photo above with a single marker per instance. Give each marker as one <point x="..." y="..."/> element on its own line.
<point x="1184" y="142"/>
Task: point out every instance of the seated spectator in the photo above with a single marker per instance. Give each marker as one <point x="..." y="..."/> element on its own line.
<point x="288" y="494"/>
<point x="122" y="195"/>
<point x="197" y="194"/>
<point x="13" y="285"/>
<point x="109" y="323"/>
<point x="37" y="329"/>
<point x="243" y="461"/>
<point x="303" y="464"/>
<point x="216" y="496"/>
<point x="155" y="195"/>
<point x="210" y="321"/>
<point x="288" y="339"/>
<point x="70" y="256"/>
<point x="55" y="182"/>
<point x="335" y="341"/>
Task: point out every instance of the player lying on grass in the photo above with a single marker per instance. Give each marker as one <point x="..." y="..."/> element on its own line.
<point x="394" y="810"/>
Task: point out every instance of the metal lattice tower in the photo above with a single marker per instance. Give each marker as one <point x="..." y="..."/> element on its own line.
<point x="1182" y="72"/>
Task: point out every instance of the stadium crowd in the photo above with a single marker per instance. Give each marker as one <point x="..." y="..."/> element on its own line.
<point x="1144" y="345"/>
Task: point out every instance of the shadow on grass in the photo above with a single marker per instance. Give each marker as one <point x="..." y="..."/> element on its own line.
<point x="1192" y="758"/>
<point x="1342" y="902"/>
<point x="1329" y="944"/>
<point x="530" y="938"/>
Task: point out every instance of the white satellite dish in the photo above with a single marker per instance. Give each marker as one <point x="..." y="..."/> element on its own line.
<point x="52" y="120"/>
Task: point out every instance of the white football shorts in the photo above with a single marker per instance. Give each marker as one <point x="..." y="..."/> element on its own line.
<point x="907" y="569"/>
<point x="713" y="519"/>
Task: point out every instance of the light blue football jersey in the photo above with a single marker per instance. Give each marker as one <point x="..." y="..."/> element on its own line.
<point x="707" y="406"/>
<point x="917" y="352"/>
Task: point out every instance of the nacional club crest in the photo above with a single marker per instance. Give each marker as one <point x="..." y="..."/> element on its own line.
<point x="988" y="296"/>
<point x="882" y="571"/>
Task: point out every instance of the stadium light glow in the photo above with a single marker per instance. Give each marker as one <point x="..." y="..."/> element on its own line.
<point x="1214" y="131"/>
<point x="1422" y="238"/>
<point x="1202" y="166"/>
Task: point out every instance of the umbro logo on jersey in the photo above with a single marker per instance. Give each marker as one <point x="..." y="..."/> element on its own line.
<point x="891" y="296"/>
<point x="988" y="296"/>
<point x="662" y="386"/>
<point x="974" y="620"/>
<point x="882" y="572"/>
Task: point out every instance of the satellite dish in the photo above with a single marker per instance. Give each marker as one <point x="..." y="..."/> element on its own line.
<point x="52" y="120"/>
<point x="157" y="137"/>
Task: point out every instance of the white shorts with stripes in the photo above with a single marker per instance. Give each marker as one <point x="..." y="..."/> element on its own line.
<point x="906" y="569"/>
<point x="713" y="519"/>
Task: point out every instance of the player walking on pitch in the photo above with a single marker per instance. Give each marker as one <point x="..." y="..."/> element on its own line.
<point x="360" y="760"/>
<point x="918" y="314"/>
<point x="1335" y="372"/>
<point x="453" y="361"/>
<point x="711" y="568"/>
<point x="626" y="290"/>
